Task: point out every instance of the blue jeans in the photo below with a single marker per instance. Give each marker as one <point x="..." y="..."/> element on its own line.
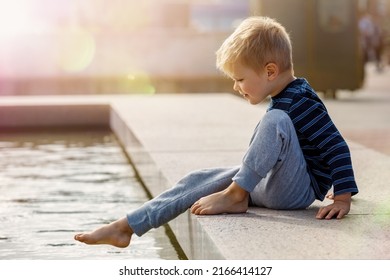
<point x="273" y="171"/>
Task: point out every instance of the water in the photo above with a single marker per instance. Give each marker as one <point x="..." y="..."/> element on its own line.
<point x="53" y="185"/>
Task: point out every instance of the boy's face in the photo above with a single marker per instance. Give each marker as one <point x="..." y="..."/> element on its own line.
<point x="253" y="86"/>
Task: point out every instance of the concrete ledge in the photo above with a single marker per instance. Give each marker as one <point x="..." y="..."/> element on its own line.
<point x="167" y="136"/>
<point x="51" y="112"/>
<point x="183" y="133"/>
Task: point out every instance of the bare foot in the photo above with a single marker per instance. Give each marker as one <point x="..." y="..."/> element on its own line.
<point x="231" y="200"/>
<point x="117" y="234"/>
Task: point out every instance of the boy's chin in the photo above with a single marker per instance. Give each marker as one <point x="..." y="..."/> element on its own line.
<point x="254" y="102"/>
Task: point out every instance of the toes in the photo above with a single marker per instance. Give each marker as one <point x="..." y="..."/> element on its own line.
<point x="195" y="210"/>
<point x="201" y="211"/>
<point x="194" y="207"/>
<point x="80" y="237"/>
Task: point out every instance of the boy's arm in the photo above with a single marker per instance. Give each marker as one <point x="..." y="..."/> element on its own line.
<point x="339" y="208"/>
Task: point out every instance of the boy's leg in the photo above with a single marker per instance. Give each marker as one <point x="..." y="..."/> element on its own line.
<point x="273" y="169"/>
<point x="162" y="208"/>
<point x="287" y="184"/>
<point x="176" y="200"/>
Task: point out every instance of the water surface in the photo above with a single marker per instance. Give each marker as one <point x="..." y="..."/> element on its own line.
<point x="53" y="185"/>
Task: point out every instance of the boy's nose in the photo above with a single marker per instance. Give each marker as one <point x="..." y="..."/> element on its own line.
<point x="236" y="87"/>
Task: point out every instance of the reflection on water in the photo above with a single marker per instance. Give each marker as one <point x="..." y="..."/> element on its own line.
<point x="55" y="185"/>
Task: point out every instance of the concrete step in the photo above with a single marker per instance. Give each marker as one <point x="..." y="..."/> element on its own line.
<point x="173" y="135"/>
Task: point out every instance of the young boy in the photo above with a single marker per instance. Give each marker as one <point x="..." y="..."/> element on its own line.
<point x="295" y="156"/>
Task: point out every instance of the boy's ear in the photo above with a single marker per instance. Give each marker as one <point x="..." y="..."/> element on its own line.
<point x="272" y="70"/>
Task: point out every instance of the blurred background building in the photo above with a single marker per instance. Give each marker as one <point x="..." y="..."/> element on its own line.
<point x="150" y="46"/>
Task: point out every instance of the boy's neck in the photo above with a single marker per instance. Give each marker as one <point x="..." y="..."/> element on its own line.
<point x="282" y="81"/>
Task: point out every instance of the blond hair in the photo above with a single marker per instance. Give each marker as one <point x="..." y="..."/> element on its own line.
<point x="256" y="42"/>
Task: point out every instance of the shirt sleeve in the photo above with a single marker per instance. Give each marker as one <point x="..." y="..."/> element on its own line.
<point x="332" y="155"/>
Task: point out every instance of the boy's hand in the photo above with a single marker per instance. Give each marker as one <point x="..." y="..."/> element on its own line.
<point x="339" y="208"/>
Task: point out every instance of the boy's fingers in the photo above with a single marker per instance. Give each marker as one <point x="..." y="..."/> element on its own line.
<point x="326" y="212"/>
<point x="321" y="213"/>
<point x="341" y="214"/>
<point x="331" y="213"/>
